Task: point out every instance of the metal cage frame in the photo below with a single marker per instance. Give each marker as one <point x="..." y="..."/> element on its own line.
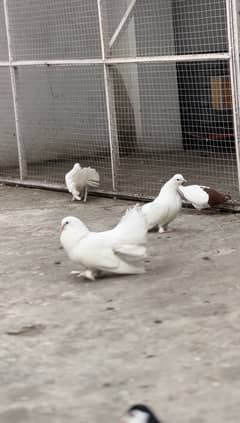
<point x="231" y="56"/>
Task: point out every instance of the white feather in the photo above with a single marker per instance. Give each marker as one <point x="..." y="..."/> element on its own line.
<point x="115" y="251"/>
<point x="166" y="206"/>
<point x="195" y="195"/>
<point x="78" y="179"/>
<point x="136" y="416"/>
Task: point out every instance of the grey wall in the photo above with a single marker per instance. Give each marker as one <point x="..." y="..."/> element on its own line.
<point x="8" y="143"/>
<point x="54" y="29"/>
<point x="159" y="103"/>
<point x="62" y="111"/>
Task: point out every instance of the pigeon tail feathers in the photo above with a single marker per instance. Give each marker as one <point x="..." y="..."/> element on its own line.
<point x="132" y="228"/>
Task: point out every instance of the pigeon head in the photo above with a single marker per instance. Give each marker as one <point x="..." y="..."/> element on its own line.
<point x="178" y="179"/>
<point x="140" y="413"/>
<point x="72" y="224"/>
<point x="76" y="166"/>
<point x="227" y="196"/>
<point x="72" y="230"/>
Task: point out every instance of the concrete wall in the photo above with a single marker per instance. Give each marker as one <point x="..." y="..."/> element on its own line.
<point x="159" y="103"/>
<point x="62" y="111"/>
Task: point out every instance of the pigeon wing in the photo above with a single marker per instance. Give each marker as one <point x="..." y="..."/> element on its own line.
<point x="131" y="230"/>
<point x="131" y="252"/>
<point x="93" y="178"/>
<point x="94" y="252"/>
<point x="216" y="197"/>
<point x="195" y="194"/>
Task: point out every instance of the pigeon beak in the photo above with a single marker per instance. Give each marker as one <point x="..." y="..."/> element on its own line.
<point x="62" y="227"/>
<point x="184" y="181"/>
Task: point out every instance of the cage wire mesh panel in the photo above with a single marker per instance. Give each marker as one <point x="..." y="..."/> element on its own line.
<point x="3" y="35"/>
<point x="8" y="146"/>
<point x="179" y="120"/>
<point x="54" y="29"/>
<point x="172" y="117"/>
<point x="136" y="109"/>
<point x="166" y="27"/>
<point x="63" y="119"/>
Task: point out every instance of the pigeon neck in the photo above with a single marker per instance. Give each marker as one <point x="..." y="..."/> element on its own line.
<point x="71" y="237"/>
<point x="169" y="188"/>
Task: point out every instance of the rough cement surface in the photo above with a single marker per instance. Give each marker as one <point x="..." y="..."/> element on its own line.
<point x="169" y="338"/>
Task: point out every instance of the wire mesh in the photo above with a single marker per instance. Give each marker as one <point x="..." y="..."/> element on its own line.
<point x="8" y="144"/>
<point x="237" y="10"/>
<point x="179" y="120"/>
<point x="166" y="27"/>
<point x="161" y="118"/>
<point x="62" y="116"/>
<point x="54" y="29"/>
<point x="3" y="36"/>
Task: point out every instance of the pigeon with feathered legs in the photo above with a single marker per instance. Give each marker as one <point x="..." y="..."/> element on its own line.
<point x="78" y="179"/>
<point x="161" y="211"/>
<point x="120" y="250"/>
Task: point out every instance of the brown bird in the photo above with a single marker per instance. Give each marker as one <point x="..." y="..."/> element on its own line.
<point x="202" y="197"/>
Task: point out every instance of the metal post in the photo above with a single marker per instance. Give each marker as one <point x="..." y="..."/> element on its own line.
<point x="21" y="153"/>
<point x="233" y="47"/>
<point x="123" y="23"/>
<point x="112" y="124"/>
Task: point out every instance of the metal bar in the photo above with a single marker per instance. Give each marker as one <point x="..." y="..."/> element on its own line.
<point x="32" y="183"/>
<point x="176" y="58"/>
<point x="56" y="62"/>
<point x="20" y="147"/>
<point x="112" y="125"/>
<point x="101" y="29"/>
<point x="123" y="23"/>
<point x="119" y="60"/>
<point x="233" y="46"/>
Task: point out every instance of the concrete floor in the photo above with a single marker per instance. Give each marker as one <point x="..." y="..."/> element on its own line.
<point x="73" y="351"/>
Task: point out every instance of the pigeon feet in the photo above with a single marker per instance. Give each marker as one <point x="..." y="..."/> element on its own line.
<point x="76" y="197"/>
<point x="85" y="195"/>
<point x="87" y="274"/>
<point x="75" y="272"/>
<point x="163" y="229"/>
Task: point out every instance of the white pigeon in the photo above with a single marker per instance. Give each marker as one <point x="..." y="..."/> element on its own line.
<point x="202" y="197"/>
<point x="140" y="413"/>
<point x="166" y="205"/>
<point x="78" y="179"/>
<point x="119" y="250"/>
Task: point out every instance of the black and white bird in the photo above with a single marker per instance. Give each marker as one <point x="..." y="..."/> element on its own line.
<point x="203" y="197"/>
<point x="120" y="250"/>
<point x="140" y="413"/>
<point x="78" y="179"/>
<point x="166" y="205"/>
